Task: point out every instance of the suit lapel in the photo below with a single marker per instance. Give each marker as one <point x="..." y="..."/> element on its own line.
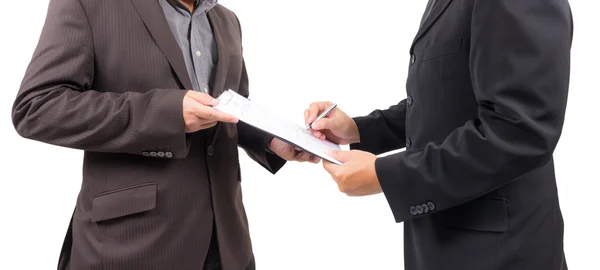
<point x="429" y="20"/>
<point x="218" y="25"/>
<point x="154" y="19"/>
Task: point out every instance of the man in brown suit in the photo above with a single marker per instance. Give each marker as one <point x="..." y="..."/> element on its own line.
<point x="161" y="177"/>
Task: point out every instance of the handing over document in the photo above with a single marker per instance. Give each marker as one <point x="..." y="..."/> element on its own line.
<point x="233" y="103"/>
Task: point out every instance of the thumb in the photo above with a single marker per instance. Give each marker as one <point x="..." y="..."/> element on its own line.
<point x="341" y="156"/>
<point x="203" y="98"/>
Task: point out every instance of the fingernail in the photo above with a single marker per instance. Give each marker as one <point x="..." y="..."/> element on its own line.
<point x="315" y="125"/>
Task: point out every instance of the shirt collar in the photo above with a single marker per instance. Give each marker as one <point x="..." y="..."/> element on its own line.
<point x="200" y="5"/>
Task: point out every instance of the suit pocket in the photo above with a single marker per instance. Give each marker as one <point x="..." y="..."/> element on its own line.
<point x="474" y="228"/>
<point x="124" y="202"/>
<point x="486" y="214"/>
<point x="442" y="49"/>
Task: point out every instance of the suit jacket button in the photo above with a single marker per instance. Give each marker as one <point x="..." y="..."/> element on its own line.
<point x="409" y="100"/>
<point x="425" y="208"/>
<point x="153" y="154"/>
<point x="210" y="150"/>
<point x="168" y="154"/>
<point x="408" y="143"/>
<point x="413" y="210"/>
<point x="160" y="154"/>
<point x="146" y="153"/>
<point x="419" y="209"/>
<point x="413" y="58"/>
<point x="431" y="206"/>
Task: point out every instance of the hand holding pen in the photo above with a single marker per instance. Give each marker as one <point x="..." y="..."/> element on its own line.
<point x="326" y="121"/>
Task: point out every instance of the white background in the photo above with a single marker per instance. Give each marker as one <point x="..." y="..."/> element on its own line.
<point x="352" y="52"/>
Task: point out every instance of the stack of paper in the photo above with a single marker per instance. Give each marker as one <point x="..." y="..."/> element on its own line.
<point x="233" y="103"/>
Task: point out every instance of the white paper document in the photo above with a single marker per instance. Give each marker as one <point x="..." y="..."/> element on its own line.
<point x="233" y="103"/>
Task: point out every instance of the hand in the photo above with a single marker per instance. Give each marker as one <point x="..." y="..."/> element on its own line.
<point x="337" y="126"/>
<point x="198" y="112"/>
<point x="290" y="153"/>
<point x="356" y="176"/>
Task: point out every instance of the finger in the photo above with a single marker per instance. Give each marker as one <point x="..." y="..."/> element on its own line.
<point x="303" y="157"/>
<point x="290" y="157"/>
<point x="202" y="98"/>
<point x="341" y="156"/>
<point x="306" y="115"/>
<point x="323" y="124"/>
<point x="332" y="169"/>
<point x="208" y="125"/>
<point x="313" y="112"/>
<point x="315" y="109"/>
<point x="212" y="114"/>
<point x="287" y="152"/>
<point x="314" y="159"/>
<point x="192" y="127"/>
<point x="318" y="134"/>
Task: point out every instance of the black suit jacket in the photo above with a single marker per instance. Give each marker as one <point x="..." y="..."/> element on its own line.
<point x="108" y="77"/>
<point x="486" y="96"/>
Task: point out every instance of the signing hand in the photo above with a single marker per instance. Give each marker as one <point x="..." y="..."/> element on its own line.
<point x="337" y="126"/>
<point x="356" y="176"/>
<point x="290" y="153"/>
<point x="198" y="112"/>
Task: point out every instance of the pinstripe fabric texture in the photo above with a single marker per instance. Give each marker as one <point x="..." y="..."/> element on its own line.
<point x="107" y="78"/>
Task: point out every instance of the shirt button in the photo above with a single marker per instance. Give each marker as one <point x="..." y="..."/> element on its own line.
<point x="198" y="53"/>
<point x="413" y="58"/>
<point x="210" y="150"/>
<point x="409" y="100"/>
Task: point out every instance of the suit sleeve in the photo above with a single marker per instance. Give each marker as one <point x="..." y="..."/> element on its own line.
<point x="254" y="141"/>
<point x="519" y="62"/>
<point x="55" y="104"/>
<point x="382" y="130"/>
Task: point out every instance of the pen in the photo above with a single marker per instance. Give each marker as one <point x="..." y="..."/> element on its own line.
<point x="322" y="115"/>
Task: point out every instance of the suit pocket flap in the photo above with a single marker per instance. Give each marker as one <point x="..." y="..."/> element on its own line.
<point x="123" y="202"/>
<point x="443" y="49"/>
<point x="483" y="214"/>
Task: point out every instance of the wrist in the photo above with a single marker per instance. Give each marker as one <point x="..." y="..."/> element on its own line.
<point x="355" y="137"/>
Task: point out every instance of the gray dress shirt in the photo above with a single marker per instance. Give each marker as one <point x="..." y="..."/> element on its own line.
<point x="194" y="35"/>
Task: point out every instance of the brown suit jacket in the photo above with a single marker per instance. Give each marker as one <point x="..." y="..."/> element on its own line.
<point x="107" y="77"/>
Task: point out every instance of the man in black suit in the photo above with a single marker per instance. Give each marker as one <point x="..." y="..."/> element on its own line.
<point x="486" y="97"/>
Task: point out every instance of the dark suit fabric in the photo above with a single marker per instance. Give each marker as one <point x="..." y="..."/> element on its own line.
<point x="107" y="77"/>
<point x="486" y="97"/>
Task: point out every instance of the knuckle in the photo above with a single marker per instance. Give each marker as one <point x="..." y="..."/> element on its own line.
<point x="206" y="97"/>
